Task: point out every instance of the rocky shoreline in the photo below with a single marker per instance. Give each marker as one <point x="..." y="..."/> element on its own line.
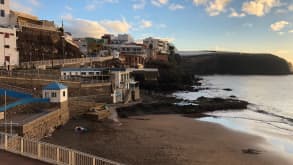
<point x="170" y="105"/>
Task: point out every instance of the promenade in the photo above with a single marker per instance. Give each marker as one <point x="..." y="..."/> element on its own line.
<point x="12" y="159"/>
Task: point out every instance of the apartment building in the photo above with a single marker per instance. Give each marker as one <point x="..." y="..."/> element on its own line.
<point x="157" y="49"/>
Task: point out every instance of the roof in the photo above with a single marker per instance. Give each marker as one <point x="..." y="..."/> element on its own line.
<point x="55" y="86"/>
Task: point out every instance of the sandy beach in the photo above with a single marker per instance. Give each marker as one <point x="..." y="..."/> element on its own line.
<point x="166" y="139"/>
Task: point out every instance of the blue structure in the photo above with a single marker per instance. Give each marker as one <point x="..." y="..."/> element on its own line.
<point x="24" y="99"/>
<point x="55" y="86"/>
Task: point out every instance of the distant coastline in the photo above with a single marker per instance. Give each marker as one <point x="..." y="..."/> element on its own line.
<point x="233" y="63"/>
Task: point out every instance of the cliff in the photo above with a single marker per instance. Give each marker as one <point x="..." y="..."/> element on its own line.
<point x="235" y="64"/>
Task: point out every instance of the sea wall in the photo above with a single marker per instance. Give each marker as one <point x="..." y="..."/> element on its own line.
<point x="45" y="125"/>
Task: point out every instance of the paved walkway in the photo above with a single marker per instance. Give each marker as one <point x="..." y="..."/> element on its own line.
<point x="12" y="159"/>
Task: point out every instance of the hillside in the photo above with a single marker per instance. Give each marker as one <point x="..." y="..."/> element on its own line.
<point x="235" y="64"/>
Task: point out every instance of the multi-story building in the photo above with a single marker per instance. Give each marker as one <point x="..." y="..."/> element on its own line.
<point x="35" y="39"/>
<point x="157" y="49"/>
<point x="90" y="46"/>
<point x="9" y="56"/>
<point x="134" y="55"/>
<point x="4" y="12"/>
<point x="117" y="40"/>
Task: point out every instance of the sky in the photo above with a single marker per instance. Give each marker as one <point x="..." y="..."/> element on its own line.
<point x="259" y="26"/>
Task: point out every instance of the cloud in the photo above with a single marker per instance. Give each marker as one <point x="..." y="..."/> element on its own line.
<point x="213" y="7"/>
<point x="248" y="25"/>
<point x="234" y="13"/>
<point x="34" y="2"/>
<point x="159" y="3"/>
<point x="146" y="24"/>
<point x="88" y="28"/>
<point x="116" y="26"/>
<point x="93" y="4"/>
<point x="290" y="7"/>
<point x="278" y="26"/>
<point x="139" y="4"/>
<point x="68" y="8"/>
<point x="259" y="7"/>
<point x="290" y="31"/>
<point x="174" y="6"/>
<point x="18" y="6"/>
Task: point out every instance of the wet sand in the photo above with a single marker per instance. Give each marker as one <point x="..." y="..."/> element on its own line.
<point x="166" y="139"/>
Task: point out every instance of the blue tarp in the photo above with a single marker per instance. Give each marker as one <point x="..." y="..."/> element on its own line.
<point x="24" y="99"/>
<point x="23" y="102"/>
<point x="14" y="94"/>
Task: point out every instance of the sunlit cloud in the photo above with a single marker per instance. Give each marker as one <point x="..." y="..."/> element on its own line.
<point x="213" y="7"/>
<point x="159" y="3"/>
<point x="234" y="13"/>
<point x="139" y="4"/>
<point x="259" y="7"/>
<point x="93" y="4"/>
<point x="278" y="26"/>
<point x="146" y="24"/>
<point x="174" y="7"/>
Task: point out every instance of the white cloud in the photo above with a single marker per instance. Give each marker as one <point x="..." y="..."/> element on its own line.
<point x="159" y="3"/>
<point x="34" y="2"/>
<point x="93" y="4"/>
<point x="176" y="7"/>
<point x="146" y="24"/>
<point x="234" y="13"/>
<point x="213" y="7"/>
<point x="259" y="7"/>
<point x="290" y="31"/>
<point x="116" y="26"/>
<point x="89" y="28"/>
<point x="18" y="6"/>
<point x="278" y="26"/>
<point x="139" y="4"/>
<point x="290" y="7"/>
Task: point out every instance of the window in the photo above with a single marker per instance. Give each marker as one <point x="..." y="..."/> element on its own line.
<point x="7" y="46"/>
<point x="2" y="1"/>
<point x="53" y="94"/>
<point x="64" y="94"/>
<point x="2" y="13"/>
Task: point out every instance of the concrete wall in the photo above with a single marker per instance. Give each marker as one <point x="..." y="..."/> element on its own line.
<point x="46" y="124"/>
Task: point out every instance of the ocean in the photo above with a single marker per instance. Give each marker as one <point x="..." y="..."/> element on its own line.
<point x="269" y="115"/>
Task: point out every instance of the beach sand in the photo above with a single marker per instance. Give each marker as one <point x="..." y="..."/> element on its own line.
<point x="166" y="139"/>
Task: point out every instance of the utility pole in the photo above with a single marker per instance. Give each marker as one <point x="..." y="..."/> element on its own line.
<point x="5" y="111"/>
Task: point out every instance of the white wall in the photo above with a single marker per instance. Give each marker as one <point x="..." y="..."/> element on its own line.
<point x="4" y="21"/>
<point x="59" y="95"/>
<point x="12" y="51"/>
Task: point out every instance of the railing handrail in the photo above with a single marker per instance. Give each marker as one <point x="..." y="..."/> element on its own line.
<point x="7" y="143"/>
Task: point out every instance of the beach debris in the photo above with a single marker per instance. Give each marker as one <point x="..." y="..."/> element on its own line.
<point x="251" y="151"/>
<point x="80" y="129"/>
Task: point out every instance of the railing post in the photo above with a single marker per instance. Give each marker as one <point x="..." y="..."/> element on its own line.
<point x="5" y="142"/>
<point x="39" y="150"/>
<point x="21" y="145"/>
<point x="72" y="158"/>
<point x="94" y="161"/>
<point x="58" y="155"/>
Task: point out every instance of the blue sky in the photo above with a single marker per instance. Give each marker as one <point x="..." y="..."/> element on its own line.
<point x="232" y="25"/>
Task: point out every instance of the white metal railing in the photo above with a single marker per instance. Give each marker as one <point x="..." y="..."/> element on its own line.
<point x="66" y="61"/>
<point x="49" y="153"/>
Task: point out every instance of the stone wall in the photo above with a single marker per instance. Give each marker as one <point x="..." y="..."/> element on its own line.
<point x="46" y="124"/>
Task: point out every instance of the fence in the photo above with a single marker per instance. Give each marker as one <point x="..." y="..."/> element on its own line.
<point x="58" y="62"/>
<point x="49" y="153"/>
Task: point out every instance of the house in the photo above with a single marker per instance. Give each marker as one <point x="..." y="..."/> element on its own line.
<point x="86" y="74"/>
<point x="56" y="92"/>
<point x="157" y="49"/>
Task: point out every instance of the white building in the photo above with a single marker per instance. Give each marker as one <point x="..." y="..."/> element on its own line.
<point x="4" y="13"/>
<point x="9" y="55"/>
<point x="156" y="46"/>
<point x="122" y="39"/>
<point x="69" y="73"/>
<point x="56" y="92"/>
